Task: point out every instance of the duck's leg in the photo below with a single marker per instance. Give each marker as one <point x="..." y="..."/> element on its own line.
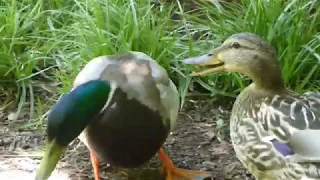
<point x="95" y="165"/>
<point x="174" y="173"/>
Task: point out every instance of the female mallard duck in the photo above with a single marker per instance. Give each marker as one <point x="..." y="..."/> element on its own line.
<point x="122" y="107"/>
<point x="274" y="131"/>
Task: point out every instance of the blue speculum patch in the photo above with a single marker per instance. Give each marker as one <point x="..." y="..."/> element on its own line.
<point x="283" y="148"/>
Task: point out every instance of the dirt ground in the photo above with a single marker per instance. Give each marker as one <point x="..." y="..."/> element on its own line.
<point x="198" y="143"/>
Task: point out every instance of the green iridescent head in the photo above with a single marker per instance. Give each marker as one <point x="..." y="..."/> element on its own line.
<point x="68" y="118"/>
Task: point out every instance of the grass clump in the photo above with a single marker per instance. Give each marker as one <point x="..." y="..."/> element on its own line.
<point x="38" y="37"/>
<point x="25" y="51"/>
<point x="112" y="27"/>
<point x="293" y="27"/>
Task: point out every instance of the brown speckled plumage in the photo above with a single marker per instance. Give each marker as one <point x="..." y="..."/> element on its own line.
<point x="275" y="131"/>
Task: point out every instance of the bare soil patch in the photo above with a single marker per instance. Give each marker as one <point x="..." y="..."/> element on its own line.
<point x="200" y="141"/>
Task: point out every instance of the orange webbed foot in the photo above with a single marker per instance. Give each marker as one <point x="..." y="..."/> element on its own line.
<point x="174" y="173"/>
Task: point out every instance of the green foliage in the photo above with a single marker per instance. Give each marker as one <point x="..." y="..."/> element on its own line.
<point x="28" y="44"/>
<point x="111" y="27"/>
<point x="52" y="40"/>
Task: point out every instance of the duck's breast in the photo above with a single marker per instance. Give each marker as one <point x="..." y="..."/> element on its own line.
<point x="127" y="133"/>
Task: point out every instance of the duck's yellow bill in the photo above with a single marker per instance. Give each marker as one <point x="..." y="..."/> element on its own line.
<point x="49" y="161"/>
<point x="208" y="63"/>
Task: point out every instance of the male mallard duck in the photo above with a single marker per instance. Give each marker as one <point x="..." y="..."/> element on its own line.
<point x="274" y="131"/>
<point x="123" y="108"/>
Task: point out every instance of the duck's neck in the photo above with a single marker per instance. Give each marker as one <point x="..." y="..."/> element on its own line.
<point x="249" y="98"/>
<point x="76" y="109"/>
<point x="267" y="76"/>
<point x="272" y="82"/>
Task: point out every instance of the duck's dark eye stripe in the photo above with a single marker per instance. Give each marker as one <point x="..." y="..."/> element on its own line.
<point x="242" y="46"/>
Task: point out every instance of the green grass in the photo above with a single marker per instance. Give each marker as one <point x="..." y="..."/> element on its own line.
<point x="292" y="27"/>
<point x="49" y="41"/>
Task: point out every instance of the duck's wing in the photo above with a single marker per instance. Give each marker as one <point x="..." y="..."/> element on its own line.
<point x="293" y="127"/>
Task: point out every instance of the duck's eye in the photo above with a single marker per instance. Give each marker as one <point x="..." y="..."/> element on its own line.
<point x="235" y="45"/>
